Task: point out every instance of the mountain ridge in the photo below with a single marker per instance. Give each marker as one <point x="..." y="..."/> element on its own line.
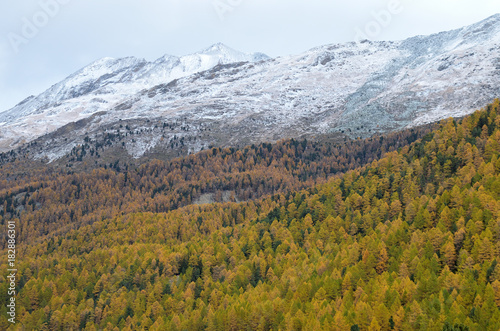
<point x="108" y="67"/>
<point x="353" y="89"/>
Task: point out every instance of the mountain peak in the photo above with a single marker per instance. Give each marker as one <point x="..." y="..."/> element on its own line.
<point x="166" y="58"/>
<point x="227" y="54"/>
<point x="102" y="60"/>
<point x="218" y="47"/>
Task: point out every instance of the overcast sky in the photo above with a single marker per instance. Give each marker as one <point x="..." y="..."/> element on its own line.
<point x="43" y="41"/>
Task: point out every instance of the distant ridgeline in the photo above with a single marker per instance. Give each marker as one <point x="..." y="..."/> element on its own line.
<point x="396" y="232"/>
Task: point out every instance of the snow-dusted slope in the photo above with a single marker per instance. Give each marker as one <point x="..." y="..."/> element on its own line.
<point x="102" y="85"/>
<point x="357" y="88"/>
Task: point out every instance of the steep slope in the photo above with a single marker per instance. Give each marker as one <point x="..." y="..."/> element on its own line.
<point x="103" y="85"/>
<point x="407" y="242"/>
<point x="356" y="89"/>
<point x="245" y="174"/>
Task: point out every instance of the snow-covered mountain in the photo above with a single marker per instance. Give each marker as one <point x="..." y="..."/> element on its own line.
<point x="223" y="97"/>
<point x="102" y="85"/>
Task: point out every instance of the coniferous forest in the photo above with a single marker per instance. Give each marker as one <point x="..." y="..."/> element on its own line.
<point x="395" y="232"/>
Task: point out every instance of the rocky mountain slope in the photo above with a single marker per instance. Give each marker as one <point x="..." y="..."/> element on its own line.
<point x="220" y="97"/>
<point x="101" y="86"/>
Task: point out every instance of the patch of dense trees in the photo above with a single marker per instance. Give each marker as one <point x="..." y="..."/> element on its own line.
<point x="407" y="240"/>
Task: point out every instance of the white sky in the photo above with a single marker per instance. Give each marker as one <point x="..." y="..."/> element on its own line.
<point x="79" y="32"/>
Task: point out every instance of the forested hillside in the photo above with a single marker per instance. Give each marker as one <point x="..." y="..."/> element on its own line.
<point x="47" y="200"/>
<point x="326" y="237"/>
